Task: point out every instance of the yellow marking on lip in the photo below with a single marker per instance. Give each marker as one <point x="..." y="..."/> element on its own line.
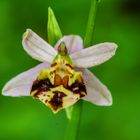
<point x="59" y="85"/>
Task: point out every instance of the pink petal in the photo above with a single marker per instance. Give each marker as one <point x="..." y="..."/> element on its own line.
<point x="37" y="48"/>
<point x="94" y="55"/>
<point x="97" y="92"/>
<point x="22" y="83"/>
<point x="73" y="43"/>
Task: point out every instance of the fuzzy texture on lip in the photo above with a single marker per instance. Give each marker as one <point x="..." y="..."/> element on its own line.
<point x="61" y="85"/>
<point x="37" y="48"/>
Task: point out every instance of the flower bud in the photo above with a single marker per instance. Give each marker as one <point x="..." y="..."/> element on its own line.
<point x="54" y="32"/>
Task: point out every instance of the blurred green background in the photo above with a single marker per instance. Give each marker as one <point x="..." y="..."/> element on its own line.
<point x="117" y="21"/>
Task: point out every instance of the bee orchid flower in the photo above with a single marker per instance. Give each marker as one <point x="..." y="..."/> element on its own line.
<point x="63" y="76"/>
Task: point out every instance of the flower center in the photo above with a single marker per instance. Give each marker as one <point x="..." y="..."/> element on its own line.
<point x="61" y="85"/>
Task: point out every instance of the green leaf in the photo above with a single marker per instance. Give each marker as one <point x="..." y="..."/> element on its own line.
<point x="53" y="29"/>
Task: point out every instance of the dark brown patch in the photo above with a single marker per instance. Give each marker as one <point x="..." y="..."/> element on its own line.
<point x="71" y="67"/>
<point x="53" y="65"/>
<point x="78" y="88"/>
<point x="41" y="86"/>
<point x="56" y="102"/>
<point x="36" y="95"/>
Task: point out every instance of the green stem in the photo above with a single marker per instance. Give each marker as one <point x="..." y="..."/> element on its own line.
<point x="91" y="21"/>
<point x="74" y="113"/>
<point x="74" y="122"/>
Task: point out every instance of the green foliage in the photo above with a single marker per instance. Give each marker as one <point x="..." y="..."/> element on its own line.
<point x="54" y="32"/>
<point x="25" y="118"/>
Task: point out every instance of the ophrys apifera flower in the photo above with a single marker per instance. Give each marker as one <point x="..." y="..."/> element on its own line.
<point x="63" y="78"/>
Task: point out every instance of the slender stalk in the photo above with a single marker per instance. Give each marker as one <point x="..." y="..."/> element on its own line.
<point x="74" y="113"/>
<point x="91" y="21"/>
<point x="74" y="122"/>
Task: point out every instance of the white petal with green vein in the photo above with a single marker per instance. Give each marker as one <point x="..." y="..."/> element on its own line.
<point x="37" y="48"/>
<point x="22" y="83"/>
<point x="97" y="93"/>
<point x="94" y="55"/>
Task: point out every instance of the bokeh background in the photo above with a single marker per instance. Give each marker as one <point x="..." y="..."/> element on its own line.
<point x="117" y="21"/>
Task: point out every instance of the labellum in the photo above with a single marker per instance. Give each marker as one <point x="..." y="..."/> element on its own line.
<point x="61" y="85"/>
